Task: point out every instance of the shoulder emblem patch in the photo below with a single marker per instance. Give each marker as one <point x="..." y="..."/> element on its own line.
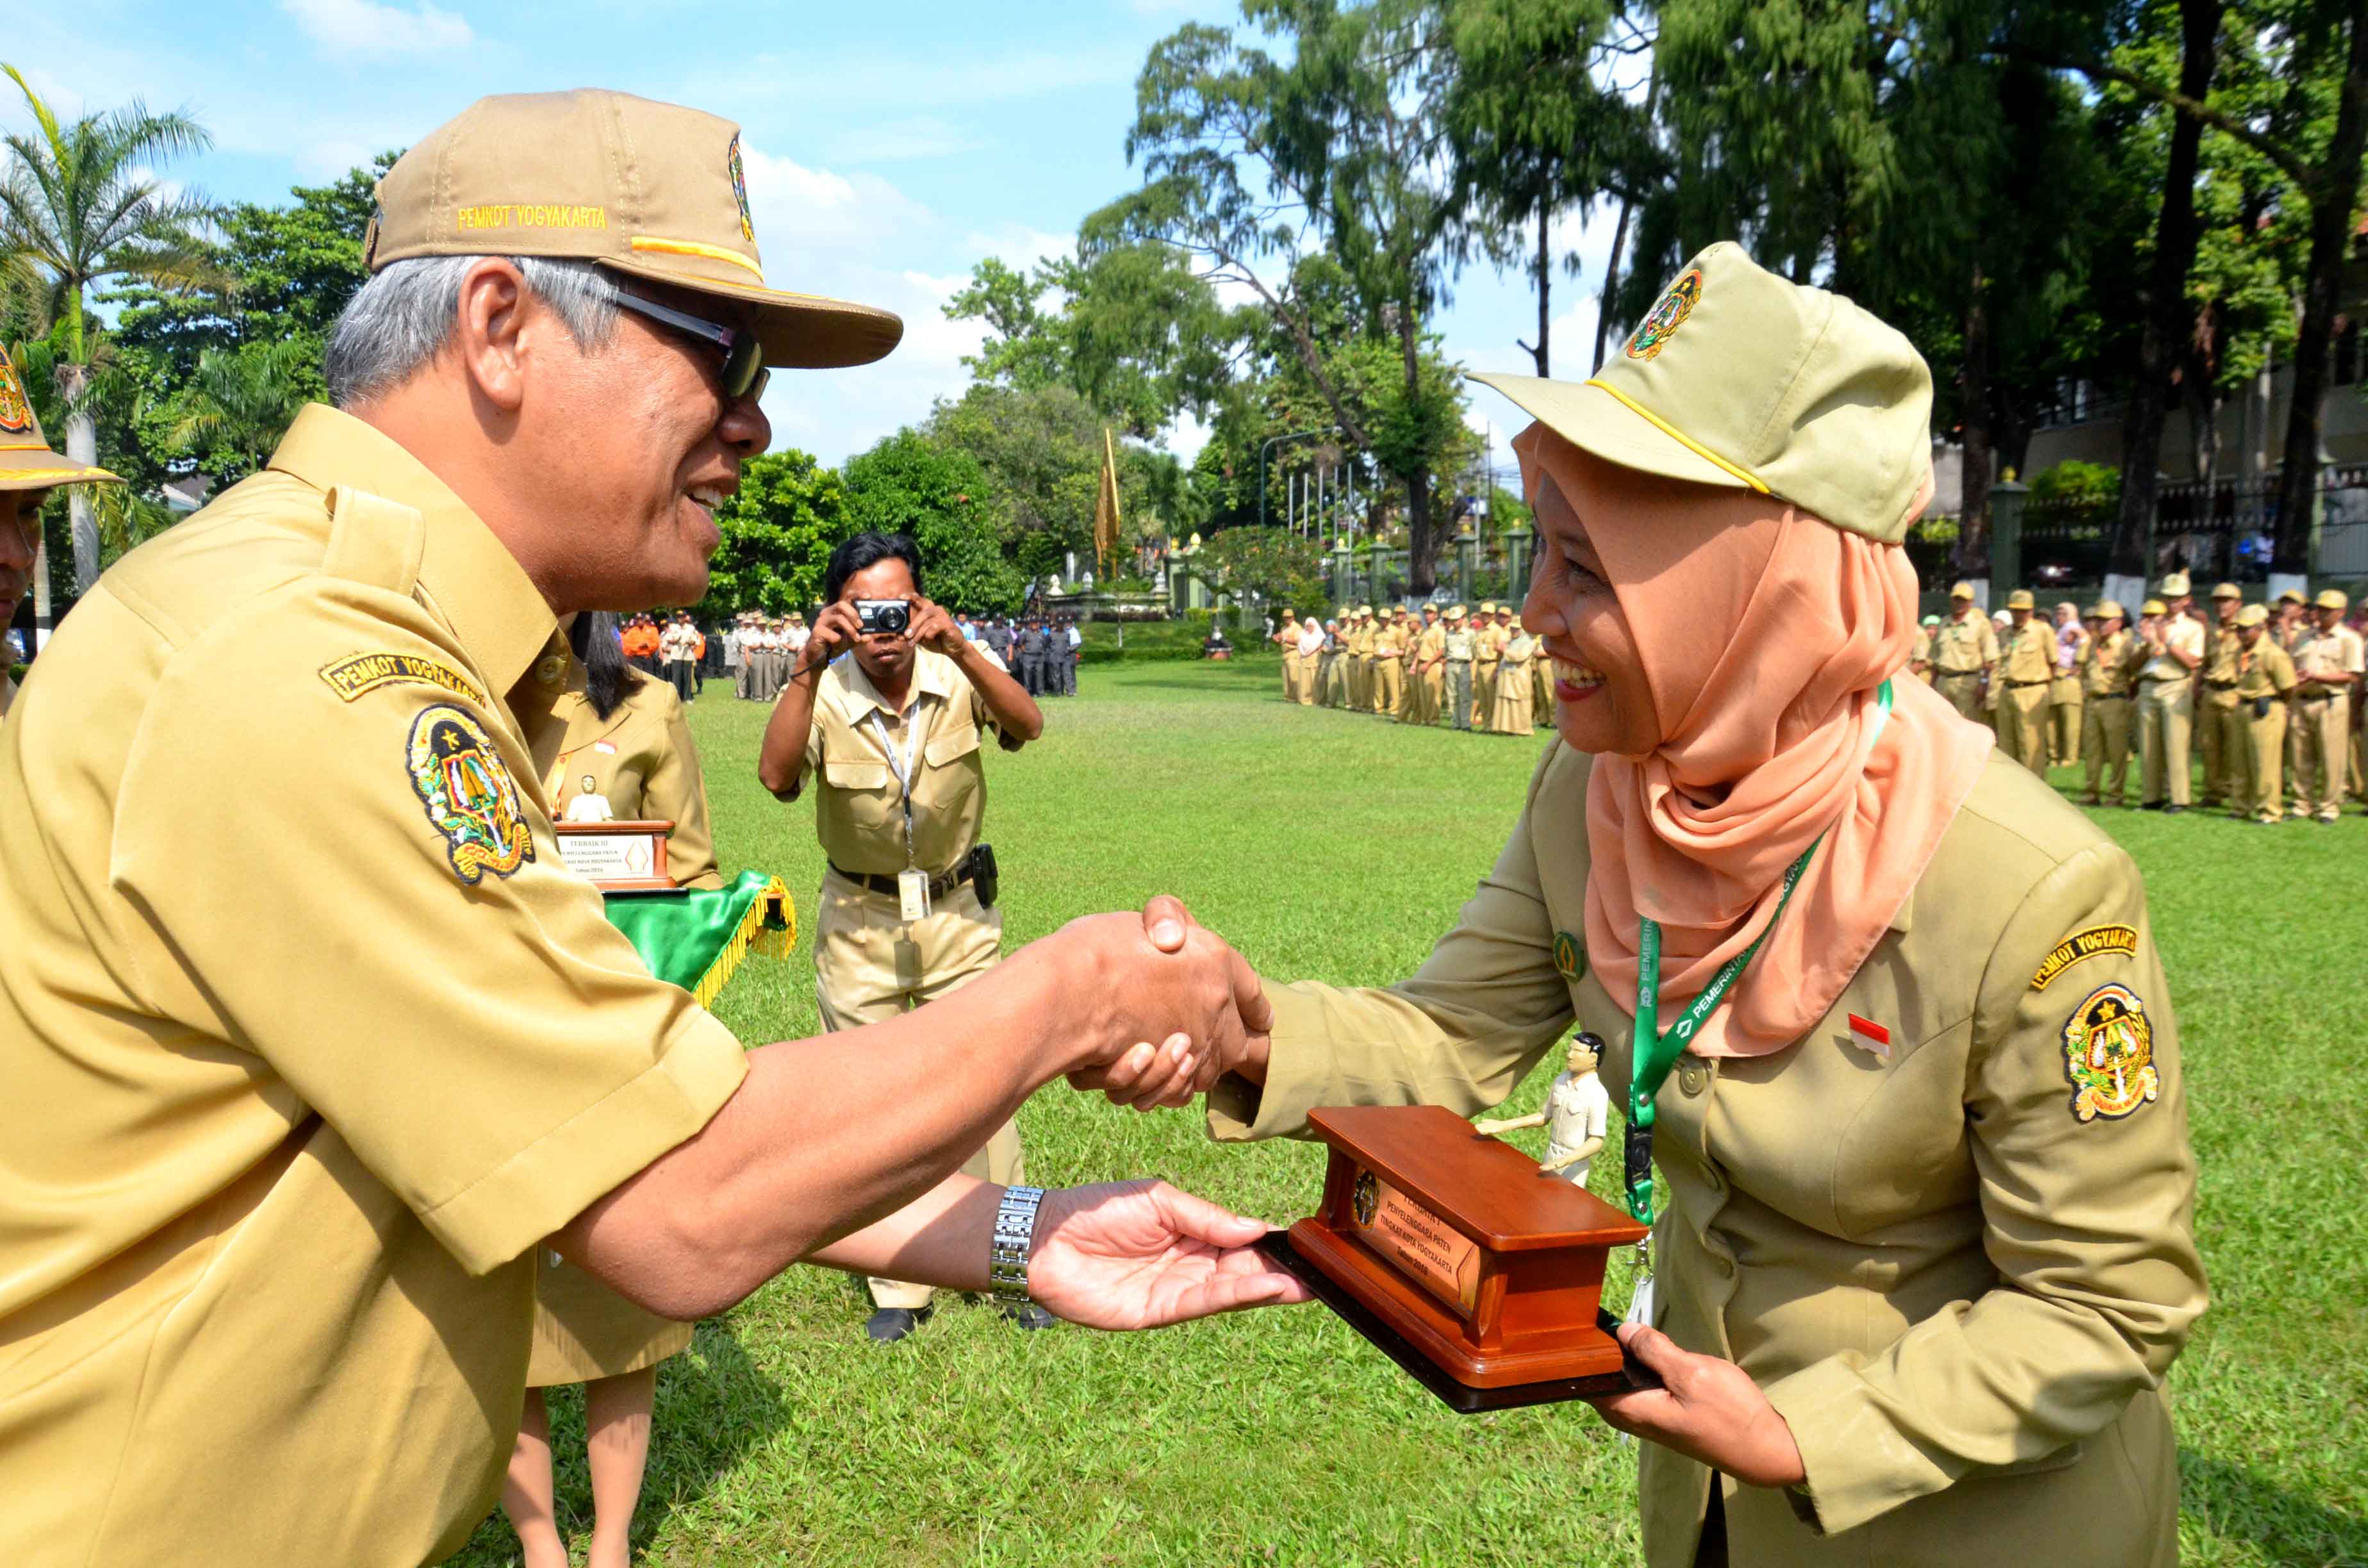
<point x="469" y="796"/>
<point x="1569" y="956"/>
<point x="1668" y="314"/>
<point x="350" y="677"/>
<point x="2108" y="1054"/>
<point x="2095" y="942"/>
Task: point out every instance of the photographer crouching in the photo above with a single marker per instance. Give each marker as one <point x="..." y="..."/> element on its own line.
<point x="894" y="731"/>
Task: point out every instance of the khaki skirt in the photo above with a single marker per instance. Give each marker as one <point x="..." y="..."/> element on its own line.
<point x="583" y="1330"/>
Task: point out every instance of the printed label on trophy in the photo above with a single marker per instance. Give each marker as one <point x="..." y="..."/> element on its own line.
<point x="1442" y="1260"/>
<point x="606" y="857"/>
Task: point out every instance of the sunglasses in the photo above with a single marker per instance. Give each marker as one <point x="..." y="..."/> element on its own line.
<point x="744" y="357"/>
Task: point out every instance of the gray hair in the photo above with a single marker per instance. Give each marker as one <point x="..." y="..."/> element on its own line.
<point x="404" y="315"/>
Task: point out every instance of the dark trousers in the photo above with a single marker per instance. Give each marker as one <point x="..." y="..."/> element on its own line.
<point x="684" y="672"/>
<point x="1031" y="674"/>
<point x="1069" y="672"/>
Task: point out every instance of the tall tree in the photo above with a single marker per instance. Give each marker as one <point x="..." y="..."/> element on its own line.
<point x="779" y="529"/>
<point x="233" y="411"/>
<point x="85" y="203"/>
<point x="1249" y="157"/>
<point x="1536" y="131"/>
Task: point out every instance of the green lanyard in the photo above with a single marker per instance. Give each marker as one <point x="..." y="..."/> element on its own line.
<point x="1655" y="1052"/>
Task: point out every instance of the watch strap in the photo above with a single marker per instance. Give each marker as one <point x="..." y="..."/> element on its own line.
<point x="1013" y="1239"/>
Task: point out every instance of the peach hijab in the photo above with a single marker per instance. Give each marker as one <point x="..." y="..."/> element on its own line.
<point x="1764" y="634"/>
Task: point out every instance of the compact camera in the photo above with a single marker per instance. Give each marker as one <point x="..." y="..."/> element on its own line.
<point x="886" y="617"/>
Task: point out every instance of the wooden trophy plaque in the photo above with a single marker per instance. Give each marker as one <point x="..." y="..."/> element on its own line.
<point x="617" y="857"/>
<point x="1450" y="1251"/>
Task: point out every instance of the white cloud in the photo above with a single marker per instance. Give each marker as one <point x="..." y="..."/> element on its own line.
<point x="365" y="27"/>
<point x="900" y="140"/>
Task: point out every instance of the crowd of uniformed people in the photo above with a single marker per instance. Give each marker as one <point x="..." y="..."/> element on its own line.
<point x="358" y="1119"/>
<point x="1484" y="672"/>
<point x="2263" y="699"/>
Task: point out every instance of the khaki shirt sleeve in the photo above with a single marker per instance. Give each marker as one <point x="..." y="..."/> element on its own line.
<point x="1460" y="1033"/>
<point x="496" y="1053"/>
<point x="676" y="791"/>
<point x="2091" y="1226"/>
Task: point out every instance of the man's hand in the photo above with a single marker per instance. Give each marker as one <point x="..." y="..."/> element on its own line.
<point x="1706" y="1409"/>
<point x="835" y="630"/>
<point x="1178" y="984"/>
<point x="933" y="628"/>
<point x="1140" y="1255"/>
<point x="1172" y="1073"/>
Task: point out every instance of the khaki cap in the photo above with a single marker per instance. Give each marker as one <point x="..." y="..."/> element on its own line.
<point x="2106" y="609"/>
<point x="2175" y="586"/>
<point x="2332" y="598"/>
<point x="1456" y="612"/>
<point x="1487" y="606"/>
<point x="648" y="189"/>
<point x="1961" y="591"/>
<point x="2153" y="607"/>
<point x="2020" y="599"/>
<point x="2253" y="615"/>
<point x="26" y="460"/>
<point x="1364" y="609"/>
<point x="1739" y="378"/>
<point x="2227" y="591"/>
<point x="2292" y="596"/>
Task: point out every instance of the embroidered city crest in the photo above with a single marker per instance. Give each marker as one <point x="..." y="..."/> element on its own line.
<point x="1568" y="956"/>
<point x="16" y="409"/>
<point x="469" y="796"/>
<point x="739" y="187"/>
<point x="1668" y="314"/>
<point x="2108" y="1054"/>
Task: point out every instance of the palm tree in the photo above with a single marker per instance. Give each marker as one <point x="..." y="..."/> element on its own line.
<point x="241" y="402"/>
<point x="81" y="203"/>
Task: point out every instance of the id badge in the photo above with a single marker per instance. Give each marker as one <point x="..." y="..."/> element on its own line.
<point x="913" y="893"/>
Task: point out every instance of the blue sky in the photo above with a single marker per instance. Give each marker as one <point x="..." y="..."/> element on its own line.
<point x="890" y="146"/>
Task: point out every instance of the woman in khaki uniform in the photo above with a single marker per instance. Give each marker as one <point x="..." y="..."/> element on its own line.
<point x="1513" y="676"/>
<point x="29" y="472"/>
<point x="618" y="734"/>
<point x="1926" y="1251"/>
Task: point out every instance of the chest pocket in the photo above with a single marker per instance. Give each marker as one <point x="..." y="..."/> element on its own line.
<point x="864" y="794"/>
<point x="954" y="770"/>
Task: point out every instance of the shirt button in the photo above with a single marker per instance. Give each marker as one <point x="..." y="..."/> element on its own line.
<point x="1692" y="1077"/>
<point x="548" y="671"/>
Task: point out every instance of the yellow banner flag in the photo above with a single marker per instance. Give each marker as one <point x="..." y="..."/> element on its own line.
<point x="1105" y="519"/>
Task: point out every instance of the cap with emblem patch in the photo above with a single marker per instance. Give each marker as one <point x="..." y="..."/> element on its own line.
<point x="2020" y="599"/>
<point x="2332" y="598"/>
<point x="2175" y="586"/>
<point x="26" y="460"/>
<point x="2253" y="615"/>
<point x="2227" y="591"/>
<point x="2106" y="609"/>
<point x="1961" y="591"/>
<point x="2292" y="596"/>
<point x="1741" y="378"/>
<point x="647" y="190"/>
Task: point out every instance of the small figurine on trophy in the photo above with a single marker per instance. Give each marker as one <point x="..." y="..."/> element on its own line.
<point x="589" y="806"/>
<point x="1578" y="1114"/>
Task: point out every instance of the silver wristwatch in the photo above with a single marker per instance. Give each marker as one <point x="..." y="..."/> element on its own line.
<point x="1008" y="1248"/>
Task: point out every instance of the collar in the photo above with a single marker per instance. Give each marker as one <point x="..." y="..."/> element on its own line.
<point x="496" y="611"/>
<point x="933" y="675"/>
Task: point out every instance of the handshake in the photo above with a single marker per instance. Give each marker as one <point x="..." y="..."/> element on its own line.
<point x="1175" y="1008"/>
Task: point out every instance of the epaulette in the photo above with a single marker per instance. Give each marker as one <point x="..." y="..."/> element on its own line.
<point x="373" y="541"/>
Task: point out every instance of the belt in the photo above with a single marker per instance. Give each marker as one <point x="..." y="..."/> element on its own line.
<point x="2049" y="682"/>
<point x="2109" y="697"/>
<point x="2220" y="684"/>
<point x="939" y="886"/>
<point x="2164" y="681"/>
<point x="1959" y="674"/>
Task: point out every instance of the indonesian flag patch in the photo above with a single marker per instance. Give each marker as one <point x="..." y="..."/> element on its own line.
<point x="1870" y="1037"/>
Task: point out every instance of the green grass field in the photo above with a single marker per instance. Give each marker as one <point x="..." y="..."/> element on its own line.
<point x="1337" y="847"/>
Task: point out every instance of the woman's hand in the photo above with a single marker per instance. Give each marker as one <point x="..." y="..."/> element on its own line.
<point x="1706" y="1409"/>
<point x="1142" y="1255"/>
<point x="1170" y="1074"/>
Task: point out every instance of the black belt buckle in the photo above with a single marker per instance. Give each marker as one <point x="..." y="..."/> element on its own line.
<point x="980" y="865"/>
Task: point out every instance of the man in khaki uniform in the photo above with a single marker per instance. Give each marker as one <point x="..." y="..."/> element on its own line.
<point x="2108" y="662"/>
<point x="1458" y="647"/>
<point x="29" y="472"/>
<point x="326" y="1041"/>
<point x="889" y="728"/>
<point x="1389" y="669"/>
<point x="2174" y="652"/>
<point x="2265" y="687"/>
<point x="1919" y="661"/>
<point x="1964" y="650"/>
<point x="2028" y="669"/>
<point x="1488" y="657"/>
<point x="2217" y="723"/>
<point x="2328" y="663"/>
<point x="1963" y="1319"/>
<point x="1360" y="661"/>
<point x="2064" y="698"/>
<point x="1286" y="638"/>
<point x="1428" y="680"/>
